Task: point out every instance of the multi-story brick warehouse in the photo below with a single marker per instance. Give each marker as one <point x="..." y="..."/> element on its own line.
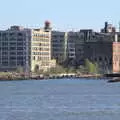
<point x="28" y="48"/>
<point x="116" y="55"/>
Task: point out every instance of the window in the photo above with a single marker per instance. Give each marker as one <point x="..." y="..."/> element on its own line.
<point x="4" y="44"/>
<point x="100" y="58"/>
<point x="5" y="63"/>
<point x="20" y="34"/>
<point x="11" y="34"/>
<point x="12" y="48"/>
<point x="33" y="57"/>
<point x="20" y="63"/>
<point x="4" y="48"/>
<point x="12" y="39"/>
<point x="20" y="39"/>
<point x="19" y="53"/>
<point x="4" y="53"/>
<point x="19" y="57"/>
<point x="12" y="63"/>
<point x="13" y="58"/>
<point x="12" y="53"/>
<point x="19" y="48"/>
<point x="12" y="44"/>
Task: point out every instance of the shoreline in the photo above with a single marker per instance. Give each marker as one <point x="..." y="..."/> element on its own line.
<point x="18" y="77"/>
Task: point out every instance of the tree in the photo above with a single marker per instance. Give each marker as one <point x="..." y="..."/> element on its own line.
<point x="91" y="67"/>
<point x="36" y="69"/>
<point x="20" y="69"/>
<point x="96" y="68"/>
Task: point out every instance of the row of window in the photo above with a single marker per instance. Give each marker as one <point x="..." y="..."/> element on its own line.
<point x="41" y="49"/>
<point x="13" y="58"/>
<point x="12" y="44"/>
<point x="58" y="50"/>
<point x="12" y="53"/>
<point x="102" y="59"/>
<point x="5" y="63"/>
<point x="13" y="48"/>
<point x="41" y="35"/>
<point x="41" y="53"/>
<point x="40" y="58"/>
<point x="58" y="40"/>
<point x="57" y="45"/>
<point x="11" y="34"/>
<point x="58" y="36"/>
<point x="40" y="44"/>
<point x="41" y="40"/>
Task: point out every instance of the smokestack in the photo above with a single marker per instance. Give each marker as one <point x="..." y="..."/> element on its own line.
<point x="116" y="37"/>
<point x="106" y="27"/>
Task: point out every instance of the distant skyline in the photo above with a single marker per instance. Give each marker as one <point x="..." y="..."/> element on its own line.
<point x="63" y="14"/>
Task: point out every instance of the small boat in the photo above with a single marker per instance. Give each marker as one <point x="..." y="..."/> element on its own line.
<point x="117" y="79"/>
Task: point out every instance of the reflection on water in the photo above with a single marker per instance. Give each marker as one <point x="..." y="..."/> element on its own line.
<point x="66" y="99"/>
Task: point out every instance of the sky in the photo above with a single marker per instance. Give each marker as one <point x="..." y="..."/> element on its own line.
<point x="63" y="14"/>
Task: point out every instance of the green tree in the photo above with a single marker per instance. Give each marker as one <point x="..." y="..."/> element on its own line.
<point x="91" y="67"/>
<point x="20" y="69"/>
<point x="36" y="69"/>
<point x="96" y="68"/>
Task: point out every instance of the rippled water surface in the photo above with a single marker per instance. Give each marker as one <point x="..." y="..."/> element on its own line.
<point x="63" y="99"/>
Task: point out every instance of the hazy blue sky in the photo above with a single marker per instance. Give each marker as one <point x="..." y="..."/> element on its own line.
<point x="63" y="14"/>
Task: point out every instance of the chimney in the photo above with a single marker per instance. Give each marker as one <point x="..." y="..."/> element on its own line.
<point x="116" y="37"/>
<point x="106" y="27"/>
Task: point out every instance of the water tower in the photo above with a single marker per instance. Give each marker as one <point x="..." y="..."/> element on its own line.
<point x="47" y="26"/>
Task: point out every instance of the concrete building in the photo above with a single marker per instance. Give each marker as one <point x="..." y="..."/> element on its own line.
<point x="87" y="44"/>
<point x="71" y="45"/>
<point x="59" y="46"/>
<point x="15" y="48"/>
<point x="68" y="47"/>
<point x="84" y="44"/>
<point x="99" y="50"/>
<point x="75" y="49"/>
<point x="41" y="50"/>
<point x="28" y="48"/>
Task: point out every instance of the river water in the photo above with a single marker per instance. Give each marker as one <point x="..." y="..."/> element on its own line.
<point x="63" y="99"/>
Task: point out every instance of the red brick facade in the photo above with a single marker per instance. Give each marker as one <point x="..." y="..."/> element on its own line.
<point x="116" y="57"/>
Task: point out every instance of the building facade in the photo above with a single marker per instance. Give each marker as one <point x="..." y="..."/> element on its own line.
<point x="116" y="54"/>
<point x="26" y="48"/>
<point x="59" y="46"/>
<point x="116" y="57"/>
<point x="14" y="48"/>
<point x="41" y="50"/>
<point x="75" y="48"/>
<point x="98" y="49"/>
